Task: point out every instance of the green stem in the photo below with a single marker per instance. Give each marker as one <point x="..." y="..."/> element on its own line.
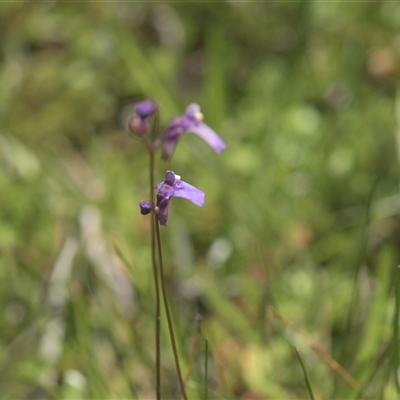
<point x="360" y="256"/>
<point x="306" y="378"/>
<point x="155" y="274"/>
<point x="396" y="319"/>
<point x="206" y="372"/>
<point x="167" y="312"/>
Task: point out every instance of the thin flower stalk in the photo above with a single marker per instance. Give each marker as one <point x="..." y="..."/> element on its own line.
<point x="156" y="280"/>
<point x="167" y="311"/>
<point x="148" y="108"/>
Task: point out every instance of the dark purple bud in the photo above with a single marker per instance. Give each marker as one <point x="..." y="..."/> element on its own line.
<point x="146" y="207"/>
<point x="138" y="126"/>
<point x="146" y="108"/>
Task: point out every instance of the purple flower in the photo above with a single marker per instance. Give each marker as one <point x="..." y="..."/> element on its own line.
<point x="173" y="186"/>
<point x="191" y="121"/>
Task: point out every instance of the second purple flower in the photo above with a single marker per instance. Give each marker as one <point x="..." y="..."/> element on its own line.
<point x="191" y="121"/>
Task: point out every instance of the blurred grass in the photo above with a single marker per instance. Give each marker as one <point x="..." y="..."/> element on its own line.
<point x="303" y="93"/>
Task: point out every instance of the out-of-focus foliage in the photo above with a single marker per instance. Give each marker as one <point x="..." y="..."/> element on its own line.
<point x="302" y="209"/>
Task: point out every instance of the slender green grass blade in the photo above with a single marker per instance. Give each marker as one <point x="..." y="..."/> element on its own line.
<point x="396" y="338"/>
<point x="215" y="76"/>
<point x="366" y="358"/>
<point x="360" y="255"/>
<point x="206" y="371"/>
<point x="306" y="378"/>
<point x="231" y="315"/>
<point x="143" y="73"/>
<point x="372" y="332"/>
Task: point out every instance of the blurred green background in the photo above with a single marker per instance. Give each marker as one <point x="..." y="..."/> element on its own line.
<point x="302" y="209"/>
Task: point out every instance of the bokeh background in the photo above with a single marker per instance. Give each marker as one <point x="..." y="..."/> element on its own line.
<point x="297" y="244"/>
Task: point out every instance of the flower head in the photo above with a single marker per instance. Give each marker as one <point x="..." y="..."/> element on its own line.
<point x="173" y="186"/>
<point x="191" y="121"/>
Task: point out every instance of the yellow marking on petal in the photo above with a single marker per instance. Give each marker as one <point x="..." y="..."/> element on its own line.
<point x="177" y="177"/>
<point x="199" y="115"/>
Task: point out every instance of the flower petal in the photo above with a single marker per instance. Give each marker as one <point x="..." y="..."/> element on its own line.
<point x="189" y="192"/>
<point x="163" y="215"/>
<point x="169" y="148"/>
<point x="193" y="112"/>
<point x="169" y="178"/>
<point x="209" y="136"/>
<point x="164" y="196"/>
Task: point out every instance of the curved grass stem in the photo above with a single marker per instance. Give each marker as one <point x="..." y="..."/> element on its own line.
<point x="306" y="378"/>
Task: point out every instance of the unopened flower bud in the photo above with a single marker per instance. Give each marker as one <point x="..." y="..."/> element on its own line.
<point x="146" y="108"/>
<point x="138" y="126"/>
<point x="146" y="207"/>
